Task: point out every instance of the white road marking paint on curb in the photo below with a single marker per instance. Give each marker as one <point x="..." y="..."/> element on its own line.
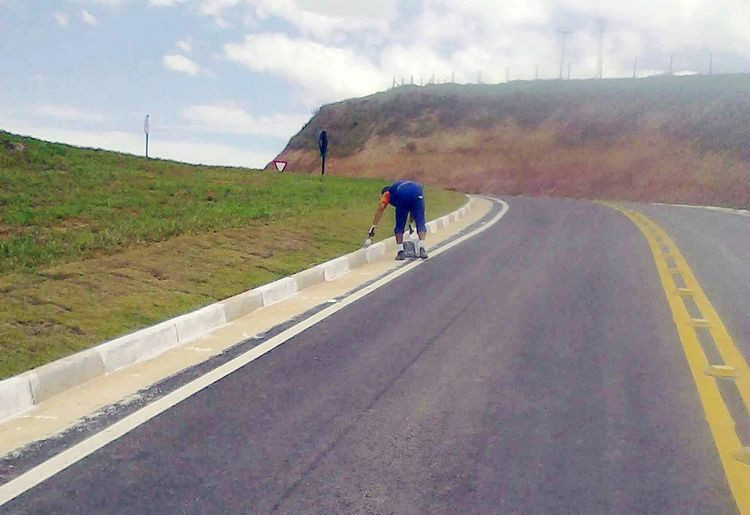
<point x="727" y="210"/>
<point x="68" y="457"/>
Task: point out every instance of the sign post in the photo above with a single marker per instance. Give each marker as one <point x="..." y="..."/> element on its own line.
<point x="323" y="147"/>
<point x="145" y="130"/>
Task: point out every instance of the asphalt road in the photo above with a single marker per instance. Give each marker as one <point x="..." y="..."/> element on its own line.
<point x="533" y="369"/>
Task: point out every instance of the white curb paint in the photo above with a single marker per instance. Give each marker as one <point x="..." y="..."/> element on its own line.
<point x="728" y="210"/>
<point x="242" y="304"/>
<point x="22" y="392"/>
<point x="63" y="374"/>
<point x="375" y="252"/>
<point x="195" y="324"/>
<point x="309" y="277"/>
<point x="335" y="268"/>
<point x="139" y="346"/>
<point x="15" y="396"/>
<point x="357" y="258"/>
<point x="278" y="290"/>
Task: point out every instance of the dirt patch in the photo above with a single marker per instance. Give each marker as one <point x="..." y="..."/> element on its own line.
<point x="14" y="147"/>
<point x="509" y="159"/>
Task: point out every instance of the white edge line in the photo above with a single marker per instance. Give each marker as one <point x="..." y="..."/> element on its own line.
<point x="72" y="455"/>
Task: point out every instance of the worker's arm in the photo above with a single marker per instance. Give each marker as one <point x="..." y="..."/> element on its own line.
<point x="379" y="213"/>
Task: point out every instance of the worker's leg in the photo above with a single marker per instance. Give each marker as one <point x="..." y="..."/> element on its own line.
<point x="401" y="213"/>
<point x="418" y="213"/>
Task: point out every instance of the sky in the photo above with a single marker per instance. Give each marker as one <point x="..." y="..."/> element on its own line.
<point x="230" y="81"/>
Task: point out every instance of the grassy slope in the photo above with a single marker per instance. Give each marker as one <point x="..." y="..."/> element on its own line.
<point x="676" y="139"/>
<point x="95" y="244"/>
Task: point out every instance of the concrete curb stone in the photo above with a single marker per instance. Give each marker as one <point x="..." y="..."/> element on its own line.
<point x="63" y="374"/>
<point x="139" y="346"/>
<point x="193" y="325"/>
<point x="357" y="258"/>
<point x="15" y="395"/>
<point x="277" y="291"/>
<point x="335" y="268"/>
<point x="309" y="277"/>
<point x="242" y="304"/>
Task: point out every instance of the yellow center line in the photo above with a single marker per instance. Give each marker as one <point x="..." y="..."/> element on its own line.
<point x="734" y="458"/>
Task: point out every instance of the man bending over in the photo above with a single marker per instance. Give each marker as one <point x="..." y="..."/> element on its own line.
<point x="408" y="198"/>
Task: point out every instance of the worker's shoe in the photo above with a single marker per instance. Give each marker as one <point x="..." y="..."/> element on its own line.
<point x="422" y="253"/>
<point x="401" y="255"/>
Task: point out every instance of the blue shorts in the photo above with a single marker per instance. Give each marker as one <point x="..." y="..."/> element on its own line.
<point x="409" y="198"/>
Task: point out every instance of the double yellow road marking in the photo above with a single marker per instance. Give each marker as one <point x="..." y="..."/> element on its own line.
<point x="698" y="325"/>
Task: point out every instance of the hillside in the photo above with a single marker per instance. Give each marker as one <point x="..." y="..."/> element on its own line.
<point x="670" y="139"/>
<point x="95" y="244"/>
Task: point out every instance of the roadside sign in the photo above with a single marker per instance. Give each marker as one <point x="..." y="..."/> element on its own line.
<point x="323" y="143"/>
<point x="323" y="147"/>
<point x="279" y="164"/>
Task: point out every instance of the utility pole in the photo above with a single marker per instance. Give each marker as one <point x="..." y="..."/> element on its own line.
<point x="671" y="60"/>
<point x="394" y="82"/>
<point x="635" y="67"/>
<point x="602" y="23"/>
<point x="563" y="37"/>
<point x="710" y="63"/>
<point x="411" y="81"/>
<point x="507" y="74"/>
<point x="146" y="131"/>
<point x="569" y="65"/>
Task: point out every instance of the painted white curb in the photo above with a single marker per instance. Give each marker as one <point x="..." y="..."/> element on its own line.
<point x="277" y="291"/>
<point x="242" y="304"/>
<point x="20" y="393"/>
<point x="335" y="268"/>
<point x="192" y="325"/>
<point x="139" y="346"/>
<point x="15" y="396"/>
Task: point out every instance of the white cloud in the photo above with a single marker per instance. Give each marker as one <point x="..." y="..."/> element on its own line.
<point x="216" y="9"/>
<point x="67" y="113"/>
<point x="88" y="18"/>
<point x="108" y="3"/>
<point x="322" y="72"/>
<point x="330" y="20"/>
<point x="165" y="3"/>
<point x="182" y="64"/>
<point x="185" y="45"/>
<point x="231" y="118"/>
<point x="61" y="19"/>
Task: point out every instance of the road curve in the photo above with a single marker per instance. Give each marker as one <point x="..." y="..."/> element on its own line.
<point x="533" y="369"/>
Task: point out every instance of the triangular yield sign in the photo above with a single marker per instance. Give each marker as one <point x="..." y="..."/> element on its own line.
<point x="279" y="164"/>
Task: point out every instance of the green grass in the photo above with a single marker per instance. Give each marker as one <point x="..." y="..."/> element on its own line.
<point x="96" y="244"/>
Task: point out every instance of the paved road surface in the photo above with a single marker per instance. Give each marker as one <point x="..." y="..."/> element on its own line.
<point x="534" y="369"/>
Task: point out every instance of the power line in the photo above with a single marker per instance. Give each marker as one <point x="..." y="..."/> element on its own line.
<point x="602" y="24"/>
